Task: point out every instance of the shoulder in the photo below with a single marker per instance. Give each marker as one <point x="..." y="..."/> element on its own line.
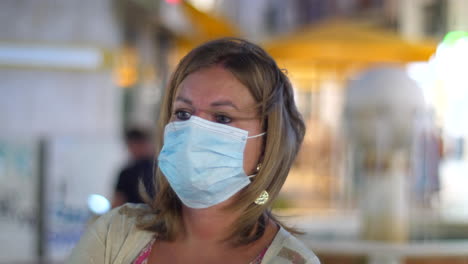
<point x="121" y="223"/>
<point x="287" y="249"/>
<point x="124" y="216"/>
<point x="112" y="236"/>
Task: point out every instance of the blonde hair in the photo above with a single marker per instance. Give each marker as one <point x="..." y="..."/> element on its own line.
<point x="283" y="124"/>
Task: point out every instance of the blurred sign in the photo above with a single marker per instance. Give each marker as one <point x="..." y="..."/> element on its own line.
<point x="77" y="168"/>
<point x="18" y="206"/>
<point x="30" y="55"/>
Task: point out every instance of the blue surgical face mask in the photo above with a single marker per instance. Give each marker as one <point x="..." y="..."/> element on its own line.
<point x="203" y="161"/>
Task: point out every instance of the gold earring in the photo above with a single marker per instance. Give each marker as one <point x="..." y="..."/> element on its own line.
<point x="259" y="166"/>
<point x="262" y="198"/>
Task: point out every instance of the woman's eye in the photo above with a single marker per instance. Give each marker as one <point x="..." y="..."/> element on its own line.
<point x="182" y="115"/>
<point x="223" y="119"/>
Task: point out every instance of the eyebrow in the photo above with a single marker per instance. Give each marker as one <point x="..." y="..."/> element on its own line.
<point x="183" y="99"/>
<point x="224" y="103"/>
<point x="214" y="104"/>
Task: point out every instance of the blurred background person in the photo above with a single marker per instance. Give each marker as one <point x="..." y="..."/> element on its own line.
<point x="138" y="169"/>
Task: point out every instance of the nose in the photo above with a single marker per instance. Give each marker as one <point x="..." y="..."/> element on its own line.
<point x="204" y="114"/>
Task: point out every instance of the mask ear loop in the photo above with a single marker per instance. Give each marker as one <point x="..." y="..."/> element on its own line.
<point x="259" y="135"/>
<point x="264" y="195"/>
<point x="259" y="166"/>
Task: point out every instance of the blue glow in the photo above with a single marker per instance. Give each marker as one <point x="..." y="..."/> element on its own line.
<point x="98" y="204"/>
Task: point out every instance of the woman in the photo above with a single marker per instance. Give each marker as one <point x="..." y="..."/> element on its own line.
<point x="231" y="133"/>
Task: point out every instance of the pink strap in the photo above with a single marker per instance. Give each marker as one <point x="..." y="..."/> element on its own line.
<point x="144" y="254"/>
<point x="259" y="258"/>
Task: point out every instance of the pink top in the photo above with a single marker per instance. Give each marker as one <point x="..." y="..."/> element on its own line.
<point x="144" y="254"/>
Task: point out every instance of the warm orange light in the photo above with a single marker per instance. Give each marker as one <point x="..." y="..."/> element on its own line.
<point x="126" y="73"/>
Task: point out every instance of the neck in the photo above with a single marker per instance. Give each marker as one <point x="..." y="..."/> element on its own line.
<point x="209" y="225"/>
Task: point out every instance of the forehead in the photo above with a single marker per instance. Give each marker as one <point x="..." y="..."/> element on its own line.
<point x="205" y="86"/>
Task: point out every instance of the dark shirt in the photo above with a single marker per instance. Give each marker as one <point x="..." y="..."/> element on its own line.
<point x="130" y="176"/>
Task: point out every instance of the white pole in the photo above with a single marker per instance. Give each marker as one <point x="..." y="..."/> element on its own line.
<point x="457" y="15"/>
<point x="411" y="19"/>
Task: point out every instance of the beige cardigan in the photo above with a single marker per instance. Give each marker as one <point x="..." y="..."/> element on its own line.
<point x="114" y="238"/>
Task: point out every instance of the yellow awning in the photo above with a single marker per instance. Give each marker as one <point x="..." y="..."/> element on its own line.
<point x="206" y="27"/>
<point x="341" y="41"/>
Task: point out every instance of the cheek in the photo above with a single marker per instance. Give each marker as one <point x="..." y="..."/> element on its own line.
<point x="252" y="154"/>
